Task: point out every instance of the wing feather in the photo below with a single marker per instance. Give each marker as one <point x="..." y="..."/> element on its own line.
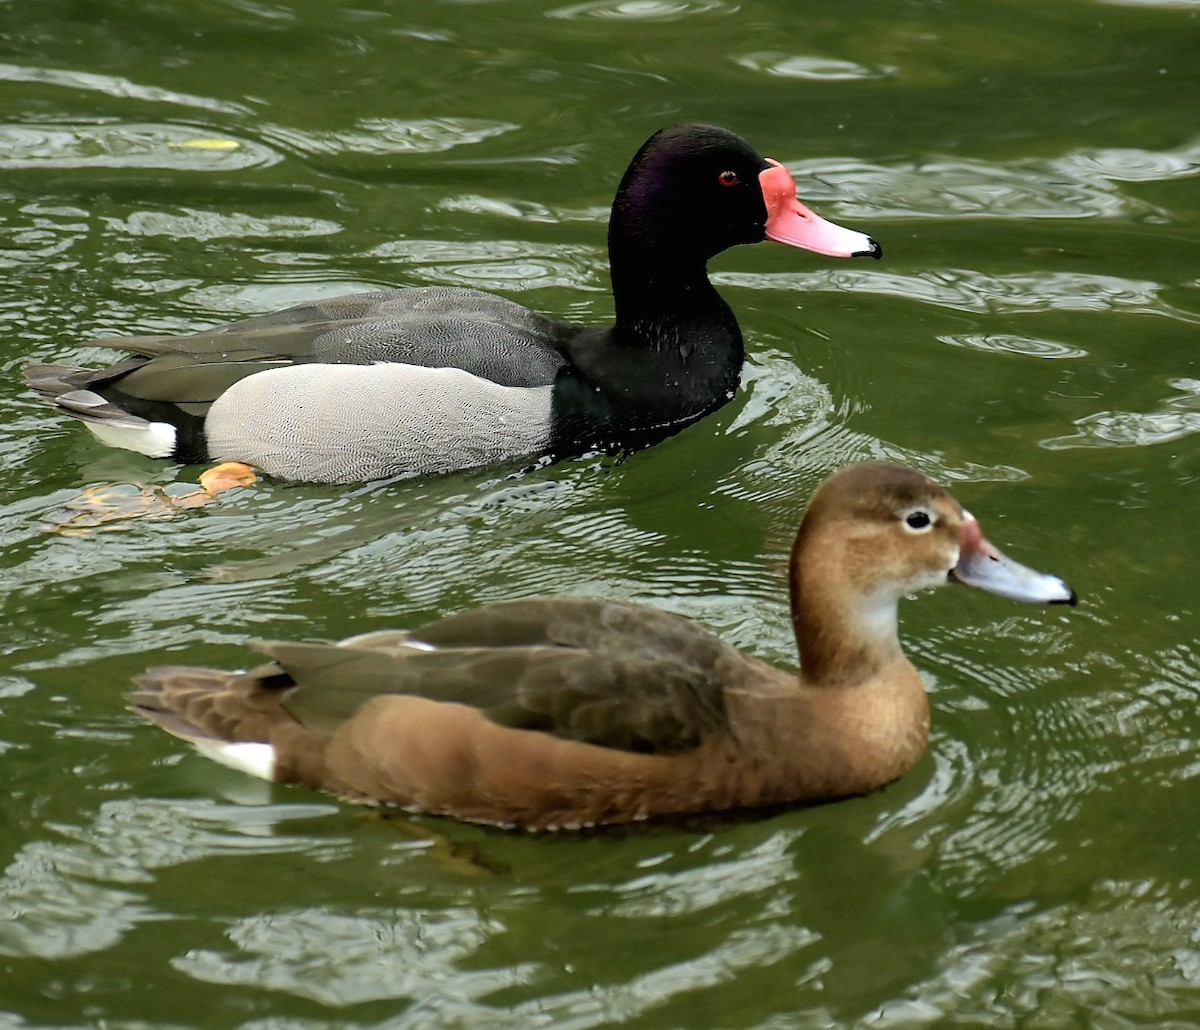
<point x="616" y="675"/>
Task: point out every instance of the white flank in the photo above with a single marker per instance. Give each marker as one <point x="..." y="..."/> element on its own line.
<point x="155" y="439"/>
<point x="352" y="423"/>
<point x="254" y="759"/>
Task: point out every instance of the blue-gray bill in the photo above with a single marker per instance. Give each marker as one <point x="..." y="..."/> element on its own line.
<point x="980" y="564"/>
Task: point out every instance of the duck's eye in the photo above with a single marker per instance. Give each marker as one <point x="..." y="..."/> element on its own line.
<point x="728" y="178"/>
<point x="918" y="521"/>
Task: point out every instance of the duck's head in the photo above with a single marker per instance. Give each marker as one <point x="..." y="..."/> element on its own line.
<point x="901" y="532"/>
<point x="701" y="189"/>
<point x="872" y="534"/>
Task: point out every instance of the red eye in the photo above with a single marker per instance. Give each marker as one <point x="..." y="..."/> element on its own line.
<point x="728" y="178"/>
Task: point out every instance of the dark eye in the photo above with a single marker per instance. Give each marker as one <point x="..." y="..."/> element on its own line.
<point x="918" y="520"/>
<point x="728" y="178"/>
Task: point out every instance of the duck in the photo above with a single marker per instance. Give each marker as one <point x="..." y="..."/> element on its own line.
<point x="429" y="380"/>
<point x="568" y="713"/>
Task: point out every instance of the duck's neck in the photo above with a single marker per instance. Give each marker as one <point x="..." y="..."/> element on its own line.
<point x="662" y="294"/>
<point x="844" y="637"/>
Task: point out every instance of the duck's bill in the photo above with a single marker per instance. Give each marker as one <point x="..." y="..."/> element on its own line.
<point x="982" y="565"/>
<point x="790" y="222"/>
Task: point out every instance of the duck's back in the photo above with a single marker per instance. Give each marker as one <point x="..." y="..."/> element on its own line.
<point x="434" y="326"/>
<point x="365" y="386"/>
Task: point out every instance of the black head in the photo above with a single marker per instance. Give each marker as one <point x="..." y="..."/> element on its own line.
<point x="691" y="189"/>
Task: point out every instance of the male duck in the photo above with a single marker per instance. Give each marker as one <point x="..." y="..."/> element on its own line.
<point x="567" y="713"/>
<point x="428" y="380"/>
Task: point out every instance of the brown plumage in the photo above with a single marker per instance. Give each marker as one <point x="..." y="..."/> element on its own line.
<point x="568" y="712"/>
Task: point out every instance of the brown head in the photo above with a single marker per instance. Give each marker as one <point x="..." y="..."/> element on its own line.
<point x="873" y="533"/>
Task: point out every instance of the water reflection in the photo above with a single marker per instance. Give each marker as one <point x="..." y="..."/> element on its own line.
<point x="1053" y="968"/>
<point x="123" y="145"/>
<point x="1166" y="4"/>
<point x="767" y="945"/>
<point x="61" y="899"/>
<point x="115" y="86"/>
<point x="523" y="210"/>
<point x="1154" y="715"/>
<point x="688" y="890"/>
<point x="1037" y="868"/>
<point x="1178" y="417"/>
<point x="1005" y="343"/>
<point x="1130" y="164"/>
<point x="801" y="66"/>
<point x="199" y="224"/>
<point x="969" y="290"/>
<point x="1078" y="185"/>
<point x="497" y="264"/>
<point x="389" y="136"/>
<point x="641" y="10"/>
<point x="339" y="959"/>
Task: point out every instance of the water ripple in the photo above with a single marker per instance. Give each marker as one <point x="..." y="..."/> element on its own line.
<point x="1005" y="343"/>
<point x="126" y="145"/>
<point x="1178" y="417"/>
<point x="56" y="900"/>
<point x="196" y="224"/>
<point x="1166" y="4"/>
<point x="339" y="959"/>
<point x="1045" y="968"/>
<point x="497" y="264"/>
<point x="390" y="136"/>
<point x="1034" y="759"/>
<point x="1155" y="717"/>
<point x="1132" y="164"/>
<point x="1078" y="185"/>
<point x="775" y="392"/>
<point x="610" y="1004"/>
<point x="973" y="291"/>
<point x="668" y="894"/>
<point x="298" y="284"/>
<point x="642" y="10"/>
<point x="115" y="86"/>
<point x="804" y="66"/>
<point x="524" y="210"/>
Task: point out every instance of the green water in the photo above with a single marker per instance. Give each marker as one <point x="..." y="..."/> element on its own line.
<point x="1031" y="170"/>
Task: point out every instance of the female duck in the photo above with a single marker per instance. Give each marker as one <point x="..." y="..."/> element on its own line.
<point x="567" y="713"/>
<point x="422" y="381"/>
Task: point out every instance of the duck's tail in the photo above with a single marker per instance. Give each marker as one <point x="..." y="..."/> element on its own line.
<point x="69" y="389"/>
<point x="221" y="714"/>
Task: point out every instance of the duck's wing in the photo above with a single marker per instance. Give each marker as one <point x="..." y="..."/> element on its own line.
<point x="190" y="382"/>
<point x="619" y="676"/>
<point x="581" y="622"/>
<point x="437" y="327"/>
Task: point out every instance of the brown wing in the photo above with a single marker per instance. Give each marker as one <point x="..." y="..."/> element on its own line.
<point x="617" y="675"/>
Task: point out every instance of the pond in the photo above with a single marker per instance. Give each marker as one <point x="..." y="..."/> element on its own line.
<point x="1029" y="339"/>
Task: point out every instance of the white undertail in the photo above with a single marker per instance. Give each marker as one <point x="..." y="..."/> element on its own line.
<point x="154" y="439"/>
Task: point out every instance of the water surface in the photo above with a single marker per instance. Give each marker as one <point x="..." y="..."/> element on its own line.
<point x="1030" y="339"/>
